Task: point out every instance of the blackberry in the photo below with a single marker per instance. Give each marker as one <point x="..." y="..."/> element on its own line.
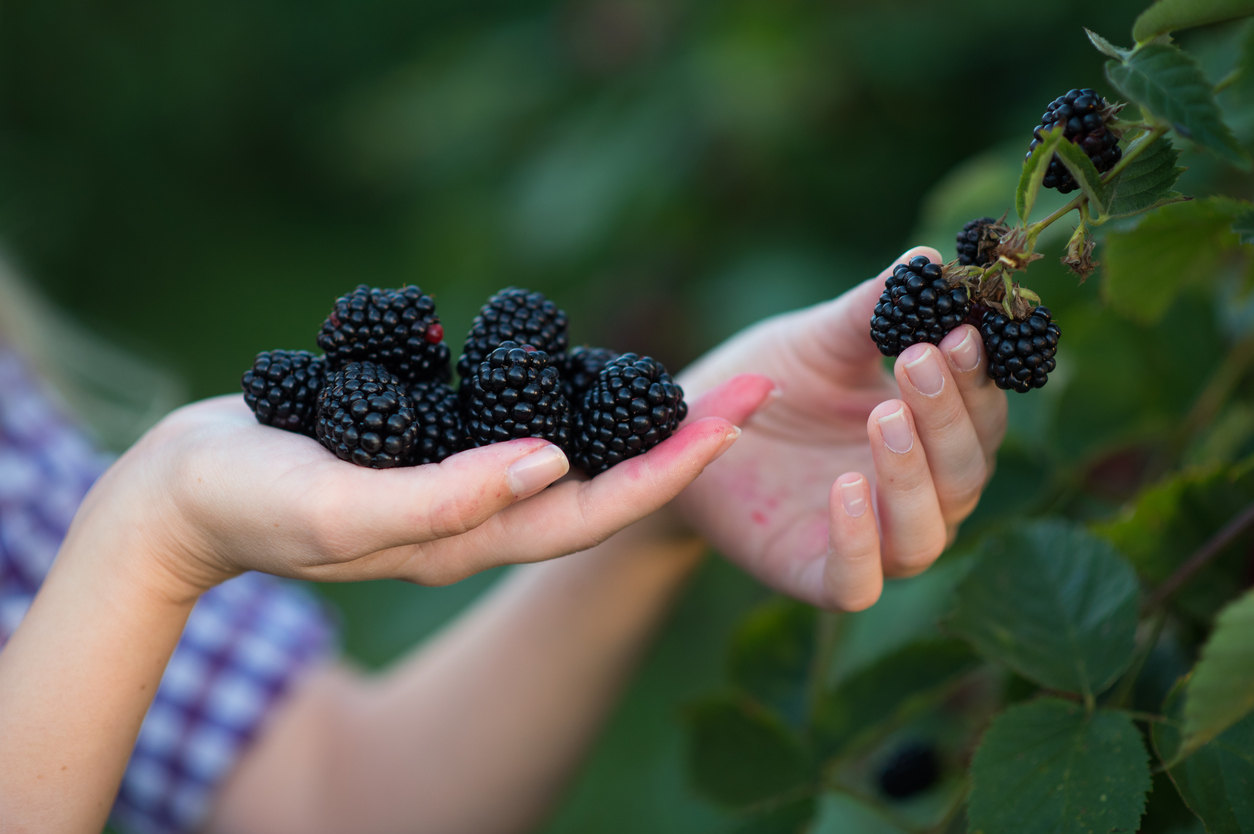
<point x="515" y="315"/>
<point x="395" y="328"/>
<point x="583" y="365"/>
<point x="1083" y="114"/>
<point x="282" y="388"/>
<point x="366" y="416"/>
<point x="975" y="243"/>
<point x="1020" y="352"/>
<point x="441" y="431"/>
<point x="516" y="391"/>
<point x="909" y="770"/>
<point x="633" y="406"/>
<point x="917" y="305"/>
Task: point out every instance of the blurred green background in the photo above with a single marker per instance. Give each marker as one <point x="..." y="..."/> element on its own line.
<point x="198" y="181"/>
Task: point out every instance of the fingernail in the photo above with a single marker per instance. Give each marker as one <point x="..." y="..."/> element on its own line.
<point x="729" y="440"/>
<point x="852" y="496"/>
<point x="966" y="354"/>
<point x="896" y="432"/>
<point x="925" y="374"/>
<point x="535" y="471"/>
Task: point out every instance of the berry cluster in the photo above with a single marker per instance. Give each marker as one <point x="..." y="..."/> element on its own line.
<point x="1085" y="118"/>
<point x="380" y="395"/>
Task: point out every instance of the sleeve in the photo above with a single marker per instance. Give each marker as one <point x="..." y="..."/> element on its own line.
<point x="246" y="642"/>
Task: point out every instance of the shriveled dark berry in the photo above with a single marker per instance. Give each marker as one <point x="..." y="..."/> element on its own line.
<point x="515" y="315"/>
<point x="282" y="388"/>
<point x="441" y="430"/>
<point x="910" y="769"/>
<point x="1084" y="117"/>
<point x="973" y="243"/>
<point x="1020" y="352"/>
<point x="395" y="328"/>
<point x="366" y="416"/>
<point x="917" y="305"/>
<point x="633" y="406"/>
<point x="583" y="366"/>
<point x="516" y="391"/>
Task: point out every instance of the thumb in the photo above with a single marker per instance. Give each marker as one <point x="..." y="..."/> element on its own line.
<point x="842" y="326"/>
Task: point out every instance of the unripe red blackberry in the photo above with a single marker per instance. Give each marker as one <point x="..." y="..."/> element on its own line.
<point x="917" y="305"/>
<point x="516" y="391"/>
<point x="282" y="388"/>
<point x="1085" y="119"/>
<point x="366" y="416"/>
<point x="515" y="315"/>
<point x="395" y="328"/>
<point x="1020" y="352"/>
<point x="633" y="406"/>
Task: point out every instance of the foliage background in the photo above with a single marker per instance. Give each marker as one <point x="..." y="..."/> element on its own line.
<point x="199" y="181"/>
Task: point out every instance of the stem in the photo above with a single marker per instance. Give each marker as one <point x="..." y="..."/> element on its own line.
<point x="1202" y="557"/>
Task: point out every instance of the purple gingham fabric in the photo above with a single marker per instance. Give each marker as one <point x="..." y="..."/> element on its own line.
<point x="245" y="641"/>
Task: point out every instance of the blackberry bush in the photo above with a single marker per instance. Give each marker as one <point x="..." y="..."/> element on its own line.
<point x="633" y="406"/>
<point x="282" y="388"/>
<point x="395" y="328"/>
<point x="918" y="304"/>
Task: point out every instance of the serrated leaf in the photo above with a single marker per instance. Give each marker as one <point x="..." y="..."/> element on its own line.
<point x="1217" y="780"/>
<point x="741" y="754"/>
<point x="1085" y="173"/>
<point x="1106" y="47"/>
<point x="1173" y="247"/>
<point x="1048" y="766"/>
<point x="1053" y="602"/>
<point x="1221" y="686"/>
<point x="771" y="653"/>
<point x="1169" y="83"/>
<point x="1173" y="15"/>
<point x="1034" y="172"/>
<point x="1146" y="181"/>
<point x="885" y="690"/>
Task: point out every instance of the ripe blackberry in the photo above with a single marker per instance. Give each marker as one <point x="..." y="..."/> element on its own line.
<point x="909" y="770"/>
<point x="282" y="388"/>
<point x="366" y="416"/>
<point x="975" y="243"/>
<point x="515" y="315"/>
<point x="583" y="365"/>
<point x="516" y="391"/>
<point x="633" y="406"/>
<point x="917" y="305"/>
<point x="1084" y="115"/>
<point x="441" y="431"/>
<point x="395" y="328"/>
<point x="1020" y="352"/>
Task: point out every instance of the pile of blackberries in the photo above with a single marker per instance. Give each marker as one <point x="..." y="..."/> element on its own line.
<point x="381" y="393"/>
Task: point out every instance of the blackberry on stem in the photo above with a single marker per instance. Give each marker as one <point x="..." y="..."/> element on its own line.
<point x="1020" y="351"/>
<point x="1085" y="117"/>
<point x="977" y="240"/>
<point x="633" y="406"/>
<point x="282" y="388"/>
<point x="917" y="305"/>
<point x="365" y="416"/>
<point x="395" y="328"/>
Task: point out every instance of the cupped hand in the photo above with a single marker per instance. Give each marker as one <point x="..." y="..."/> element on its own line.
<point x="853" y="473"/>
<point x="212" y="493"/>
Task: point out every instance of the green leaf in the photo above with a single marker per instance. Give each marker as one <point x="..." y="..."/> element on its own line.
<point x="1221" y="686"/>
<point x="1169" y="83"/>
<point x="1077" y="162"/>
<point x="1147" y="180"/>
<point x="1173" y="15"/>
<point x="1053" y="602"/>
<point x="1243" y="225"/>
<point x="1106" y="47"/>
<point x="1048" y="766"/>
<point x="1217" y="780"/>
<point x="842" y="814"/>
<point x="1173" y="247"/>
<point x="884" y="691"/>
<point x="741" y="754"/>
<point x="788" y="817"/>
<point x="771" y="655"/>
<point x="1034" y="172"/>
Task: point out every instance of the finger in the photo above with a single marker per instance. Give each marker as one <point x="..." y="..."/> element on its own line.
<point x="735" y="400"/>
<point x="912" y="529"/>
<point x="958" y="464"/>
<point x="986" y="403"/>
<point x="853" y="576"/>
<point x="400" y="506"/>
<point x="577" y="514"/>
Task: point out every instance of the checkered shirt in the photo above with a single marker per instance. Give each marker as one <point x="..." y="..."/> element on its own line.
<point x="246" y="640"/>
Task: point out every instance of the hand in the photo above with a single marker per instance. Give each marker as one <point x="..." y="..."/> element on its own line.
<point x="853" y="474"/>
<point x="213" y="493"/>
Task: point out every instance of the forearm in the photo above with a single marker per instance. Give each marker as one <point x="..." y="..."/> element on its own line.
<point x="481" y="729"/>
<point x="77" y="677"/>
